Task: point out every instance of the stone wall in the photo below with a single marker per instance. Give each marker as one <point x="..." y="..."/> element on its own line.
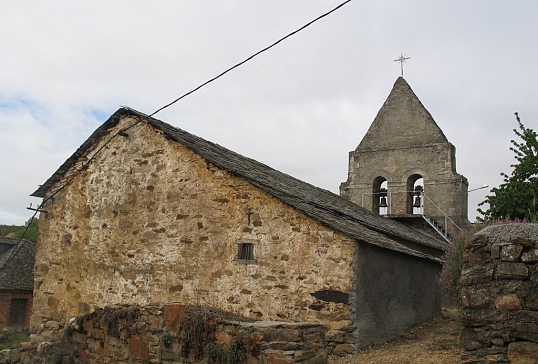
<point x="150" y="221"/>
<point x="500" y="295"/>
<point x="175" y="334"/>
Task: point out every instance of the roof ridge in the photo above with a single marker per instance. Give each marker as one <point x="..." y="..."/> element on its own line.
<point x="318" y="203"/>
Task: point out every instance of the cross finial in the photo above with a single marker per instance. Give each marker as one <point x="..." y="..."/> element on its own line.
<point x="402" y="59"/>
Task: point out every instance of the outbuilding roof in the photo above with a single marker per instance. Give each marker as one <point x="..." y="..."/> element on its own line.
<point x="321" y="205"/>
<point x="17" y="259"/>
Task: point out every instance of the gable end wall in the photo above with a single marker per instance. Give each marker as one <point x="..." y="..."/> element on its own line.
<point x="151" y="221"/>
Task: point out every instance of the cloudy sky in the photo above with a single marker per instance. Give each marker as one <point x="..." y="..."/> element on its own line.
<point x="66" y="66"/>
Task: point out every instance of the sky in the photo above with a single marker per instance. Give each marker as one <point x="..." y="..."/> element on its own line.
<point x="300" y="107"/>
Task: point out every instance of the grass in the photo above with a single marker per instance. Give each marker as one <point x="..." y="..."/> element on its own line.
<point x="12" y="338"/>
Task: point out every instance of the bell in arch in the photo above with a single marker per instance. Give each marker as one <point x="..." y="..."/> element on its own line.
<point x="383" y="202"/>
<point x="417" y="201"/>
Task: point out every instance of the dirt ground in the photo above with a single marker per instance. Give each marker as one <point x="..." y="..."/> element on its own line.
<point x="434" y="342"/>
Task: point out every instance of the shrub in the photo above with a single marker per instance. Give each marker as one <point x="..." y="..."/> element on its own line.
<point x="12" y="338"/>
<point x="449" y="279"/>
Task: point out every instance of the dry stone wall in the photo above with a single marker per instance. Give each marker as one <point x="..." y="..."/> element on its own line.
<point x="500" y="295"/>
<point x="175" y="334"/>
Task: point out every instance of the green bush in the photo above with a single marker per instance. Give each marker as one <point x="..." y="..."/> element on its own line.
<point x="449" y="279"/>
<point x="12" y="338"/>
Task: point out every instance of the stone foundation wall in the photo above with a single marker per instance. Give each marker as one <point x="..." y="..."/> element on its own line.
<point x="175" y="333"/>
<point x="500" y="295"/>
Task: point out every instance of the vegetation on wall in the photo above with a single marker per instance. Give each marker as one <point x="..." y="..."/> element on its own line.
<point x="449" y="279"/>
<point x="517" y="197"/>
<point x="198" y="333"/>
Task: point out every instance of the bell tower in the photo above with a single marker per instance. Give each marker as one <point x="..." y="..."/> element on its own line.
<point x="405" y="168"/>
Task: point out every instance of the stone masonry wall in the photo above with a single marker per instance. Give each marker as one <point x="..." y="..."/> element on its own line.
<point x="500" y="295"/>
<point x="175" y="334"/>
<point x="150" y="221"/>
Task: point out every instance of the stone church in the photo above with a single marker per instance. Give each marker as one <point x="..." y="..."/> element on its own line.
<point x="144" y="212"/>
<point x="405" y="168"/>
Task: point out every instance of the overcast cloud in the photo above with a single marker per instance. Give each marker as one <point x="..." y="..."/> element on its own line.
<point x="66" y="66"/>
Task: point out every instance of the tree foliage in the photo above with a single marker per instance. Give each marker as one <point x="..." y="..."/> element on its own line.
<point x="517" y="197"/>
<point x="7" y="229"/>
<point x="29" y="231"/>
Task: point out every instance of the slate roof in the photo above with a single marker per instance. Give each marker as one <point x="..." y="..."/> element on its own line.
<point x="16" y="264"/>
<point x="321" y="205"/>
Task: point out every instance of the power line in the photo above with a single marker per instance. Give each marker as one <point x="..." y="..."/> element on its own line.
<point x="85" y="165"/>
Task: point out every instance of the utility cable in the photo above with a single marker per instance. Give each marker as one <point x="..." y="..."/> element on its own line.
<point x="85" y="165"/>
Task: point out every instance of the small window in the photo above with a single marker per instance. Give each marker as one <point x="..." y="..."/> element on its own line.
<point x="17" y="315"/>
<point x="245" y="251"/>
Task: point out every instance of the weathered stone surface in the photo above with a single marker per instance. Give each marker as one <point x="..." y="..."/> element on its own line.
<point x="530" y="256"/>
<point x="506" y="331"/>
<point x="173" y="314"/>
<point x="511" y="253"/>
<point x="523" y="353"/>
<point x="472" y="339"/>
<point x="474" y="274"/>
<point x="344" y="349"/>
<point x="508" y="302"/>
<point x="511" y="271"/>
<point x="394" y="151"/>
<point x="148" y="340"/>
<point x="53" y="325"/>
<point x="476" y="298"/>
<point x="181" y="245"/>
<point x="139" y="348"/>
<point x="532" y="297"/>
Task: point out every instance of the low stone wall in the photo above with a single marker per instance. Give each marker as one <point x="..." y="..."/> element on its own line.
<point x="500" y="295"/>
<point x="175" y="333"/>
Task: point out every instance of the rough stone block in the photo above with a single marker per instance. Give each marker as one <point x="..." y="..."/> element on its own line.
<point x="173" y="314"/>
<point x="495" y="251"/>
<point x="471" y="339"/>
<point x="532" y="297"/>
<point x="52" y="325"/>
<point x="343" y="349"/>
<point x="476" y="298"/>
<point x="475" y="274"/>
<point x="523" y="353"/>
<point x="508" y="302"/>
<point x="286" y="345"/>
<point x="282" y="335"/>
<point x="139" y="348"/>
<point x="511" y="253"/>
<point x="511" y="271"/>
<point x="530" y="256"/>
<point x="79" y="338"/>
<point x="478" y="242"/>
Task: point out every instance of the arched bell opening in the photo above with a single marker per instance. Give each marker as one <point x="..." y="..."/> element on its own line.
<point x="379" y="196"/>
<point x="415" y="194"/>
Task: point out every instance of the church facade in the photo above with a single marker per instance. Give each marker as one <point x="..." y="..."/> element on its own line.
<point x="144" y="212"/>
<point x="405" y="168"/>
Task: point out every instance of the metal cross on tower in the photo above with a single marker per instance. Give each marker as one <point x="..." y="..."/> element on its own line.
<point x="402" y="59"/>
